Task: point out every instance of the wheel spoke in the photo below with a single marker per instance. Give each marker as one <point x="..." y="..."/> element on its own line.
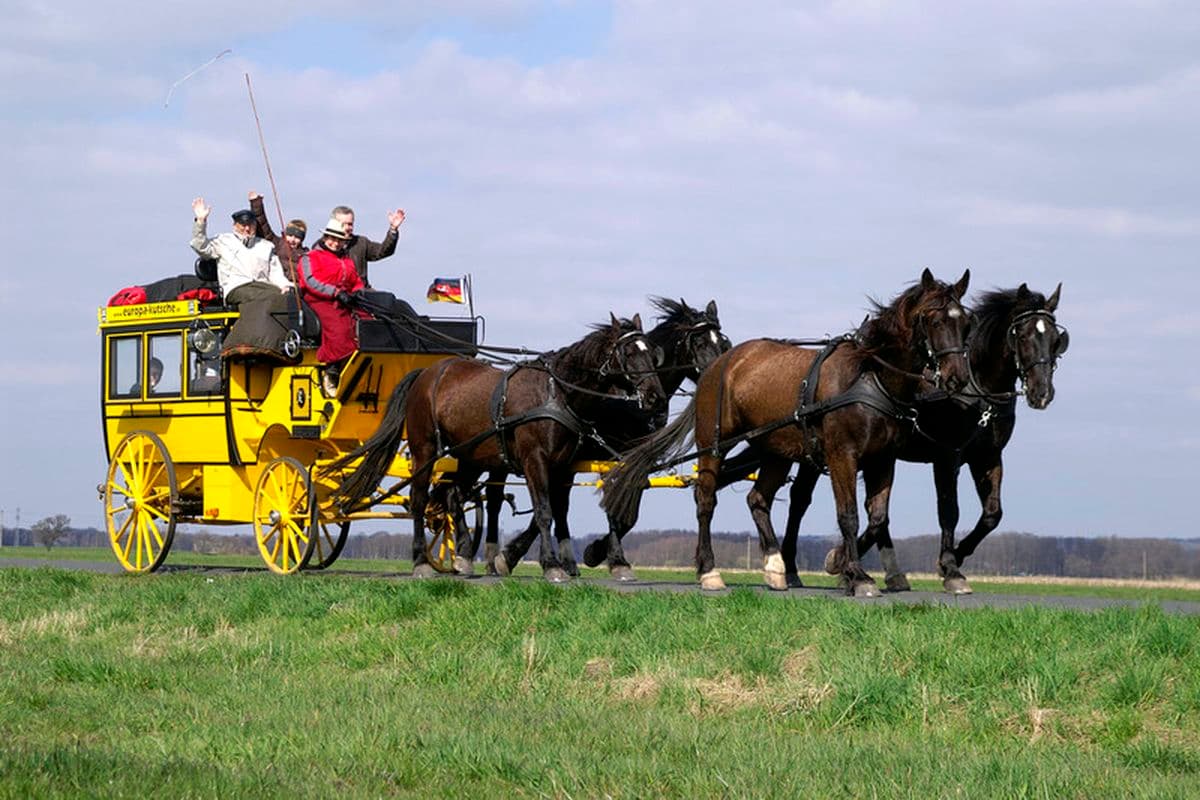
<point x="153" y="528"/>
<point x="132" y="529"/>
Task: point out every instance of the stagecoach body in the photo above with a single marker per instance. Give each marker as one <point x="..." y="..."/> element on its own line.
<point x="243" y="441"/>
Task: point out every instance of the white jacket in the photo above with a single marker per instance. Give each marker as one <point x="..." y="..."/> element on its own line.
<point x="238" y="263"/>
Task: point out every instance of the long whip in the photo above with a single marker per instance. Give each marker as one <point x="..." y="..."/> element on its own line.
<point x="274" y="192"/>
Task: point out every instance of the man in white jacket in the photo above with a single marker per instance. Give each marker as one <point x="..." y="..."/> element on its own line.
<point x="247" y="267"/>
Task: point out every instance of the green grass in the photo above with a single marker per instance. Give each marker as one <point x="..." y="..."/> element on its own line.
<point x="233" y="685"/>
<point x="1149" y="593"/>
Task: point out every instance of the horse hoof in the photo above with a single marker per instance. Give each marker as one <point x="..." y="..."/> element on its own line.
<point x="957" y="586"/>
<point x="556" y="575"/>
<point x="500" y="564"/>
<point x="591" y="557"/>
<point x="622" y="574"/>
<point x="773" y="573"/>
<point x="464" y="567"/>
<point x="897" y="583"/>
<point x="572" y="570"/>
<point x="832" y="560"/>
<point x="794" y="582"/>
<point x="866" y="588"/>
<point x="712" y="581"/>
<point x="423" y="571"/>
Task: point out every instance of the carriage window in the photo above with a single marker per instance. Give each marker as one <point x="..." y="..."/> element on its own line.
<point x="166" y="359"/>
<point x="124" y="366"/>
<point x="205" y="371"/>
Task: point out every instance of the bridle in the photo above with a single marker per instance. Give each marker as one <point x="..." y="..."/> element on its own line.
<point x="685" y="346"/>
<point x="1010" y="338"/>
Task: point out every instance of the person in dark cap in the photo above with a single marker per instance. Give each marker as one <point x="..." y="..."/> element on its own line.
<point x="247" y="268"/>
<point x="289" y="247"/>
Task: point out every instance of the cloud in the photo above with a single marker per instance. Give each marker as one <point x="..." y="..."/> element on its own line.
<point x="1110" y="222"/>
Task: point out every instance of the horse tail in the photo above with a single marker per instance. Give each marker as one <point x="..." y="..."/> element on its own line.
<point x="379" y="450"/>
<point x="623" y="486"/>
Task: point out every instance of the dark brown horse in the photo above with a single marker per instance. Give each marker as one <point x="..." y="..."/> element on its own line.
<point x="530" y="420"/>
<point x="1015" y="337"/>
<point x="849" y="414"/>
<point x="689" y="340"/>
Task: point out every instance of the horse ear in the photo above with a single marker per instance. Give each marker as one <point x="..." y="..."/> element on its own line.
<point x="960" y="288"/>
<point x="711" y="309"/>
<point x="927" y="279"/>
<point x="1023" y="291"/>
<point x="614" y="323"/>
<point x="1052" y="302"/>
<point x="637" y="321"/>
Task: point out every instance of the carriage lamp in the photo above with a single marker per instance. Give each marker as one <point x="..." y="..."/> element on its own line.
<point x="202" y="340"/>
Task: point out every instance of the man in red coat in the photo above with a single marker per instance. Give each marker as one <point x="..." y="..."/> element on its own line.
<point x="328" y="280"/>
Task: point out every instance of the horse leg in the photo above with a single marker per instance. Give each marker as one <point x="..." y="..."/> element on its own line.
<point x="464" y="542"/>
<point x="945" y="481"/>
<point x="705" y="492"/>
<point x="538" y="478"/>
<point x="560" y="502"/>
<point x="507" y="559"/>
<point x="771" y="475"/>
<point x="800" y="498"/>
<point x="608" y="548"/>
<point x="493" y="494"/>
<point x="877" y="480"/>
<point x="987" y="473"/>
<point x="418" y="500"/>
<point x="843" y="475"/>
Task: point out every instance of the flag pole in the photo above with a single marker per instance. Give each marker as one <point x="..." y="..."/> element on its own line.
<point x="470" y="294"/>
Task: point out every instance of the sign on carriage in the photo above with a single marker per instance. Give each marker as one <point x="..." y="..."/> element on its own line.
<point x="147" y="311"/>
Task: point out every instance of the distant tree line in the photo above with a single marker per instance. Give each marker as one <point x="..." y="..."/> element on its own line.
<point x="1001" y="553"/>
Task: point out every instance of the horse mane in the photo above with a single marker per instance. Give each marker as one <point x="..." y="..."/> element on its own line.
<point x="675" y="312"/>
<point x="995" y="309"/>
<point x="591" y="349"/>
<point x="887" y="326"/>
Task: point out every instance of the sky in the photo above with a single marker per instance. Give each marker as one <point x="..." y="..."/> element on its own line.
<point x="789" y="160"/>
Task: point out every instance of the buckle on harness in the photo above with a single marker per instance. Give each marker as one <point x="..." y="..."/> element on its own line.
<point x="985" y="417"/>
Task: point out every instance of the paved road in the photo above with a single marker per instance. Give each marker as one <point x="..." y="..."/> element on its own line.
<point x="906" y="598"/>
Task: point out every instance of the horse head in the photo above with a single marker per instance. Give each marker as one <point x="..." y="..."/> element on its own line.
<point x="1036" y="342"/>
<point x="631" y="362"/>
<point x="690" y="339"/>
<point x="939" y="324"/>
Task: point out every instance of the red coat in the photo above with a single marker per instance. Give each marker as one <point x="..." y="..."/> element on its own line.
<point x="322" y="275"/>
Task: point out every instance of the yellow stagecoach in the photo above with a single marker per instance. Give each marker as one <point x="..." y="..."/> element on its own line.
<point x="242" y="441"/>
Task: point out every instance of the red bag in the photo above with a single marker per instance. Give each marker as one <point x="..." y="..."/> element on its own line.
<point x="205" y="296"/>
<point x="129" y="296"/>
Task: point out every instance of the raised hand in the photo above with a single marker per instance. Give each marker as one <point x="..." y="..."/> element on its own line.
<point x="396" y="218"/>
<point x="200" y="208"/>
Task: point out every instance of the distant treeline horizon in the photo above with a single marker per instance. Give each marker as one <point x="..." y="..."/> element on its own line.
<point x="1008" y="553"/>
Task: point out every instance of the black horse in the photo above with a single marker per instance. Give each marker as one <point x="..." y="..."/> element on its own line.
<point x="846" y="407"/>
<point x="688" y="340"/>
<point x="1015" y="338"/>
<point x="530" y="419"/>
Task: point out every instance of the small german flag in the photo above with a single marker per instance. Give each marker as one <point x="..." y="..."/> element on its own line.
<point x="446" y="290"/>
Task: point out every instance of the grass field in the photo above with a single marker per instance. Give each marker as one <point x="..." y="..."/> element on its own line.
<point x="226" y="685"/>
<point x="1152" y="591"/>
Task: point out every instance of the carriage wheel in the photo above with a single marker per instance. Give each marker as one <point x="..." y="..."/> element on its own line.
<point x="282" y="514"/>
<point x="140" y="498"/>
<point x="328" y="543"/>
<point x="440" y="546"/>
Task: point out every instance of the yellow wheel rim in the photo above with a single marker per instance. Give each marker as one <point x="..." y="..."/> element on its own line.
<point x="282" y="515"/>
<point x="140" y="497"/>
<point x="440" y="549"/>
